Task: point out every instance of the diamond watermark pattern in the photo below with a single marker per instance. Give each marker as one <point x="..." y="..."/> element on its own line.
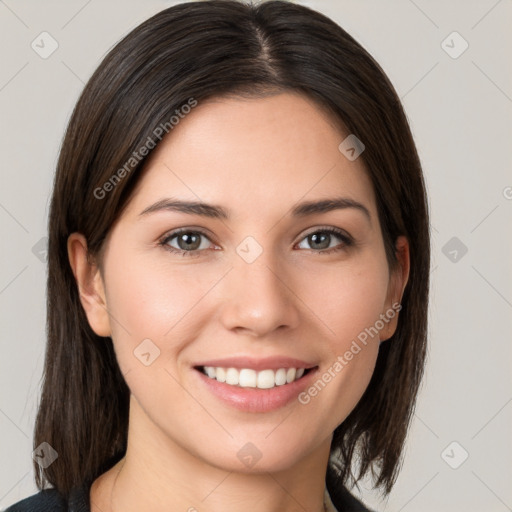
<point x="146" y="352"/>
<point x="40" y="249"/>
<point x="454" y="455"/>
<point x="351" y="147"/>
<point x="249" y="249"/>
<point x="44" y="45"/>
<point x="454" y="45"/>
<point x="249" y="455"/>
<point x="44" y="455"/>
<point x="454" y="249"/>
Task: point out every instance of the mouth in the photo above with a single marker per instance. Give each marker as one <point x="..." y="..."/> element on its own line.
<point x="250" y="378"/>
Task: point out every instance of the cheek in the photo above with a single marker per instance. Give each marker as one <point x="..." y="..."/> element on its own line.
<point x="149" y="294"/>
<point x="348" y="301"/>
<point x="151" y="299"/>
<point x="150" y="311"/>
<point x="348" y="298"/>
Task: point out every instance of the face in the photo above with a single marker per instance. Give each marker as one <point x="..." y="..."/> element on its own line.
<point x="258" y="288"/>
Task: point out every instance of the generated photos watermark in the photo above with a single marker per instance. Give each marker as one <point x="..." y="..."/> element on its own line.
<point x="151" y="142"/>
<point x="343" y="360"/>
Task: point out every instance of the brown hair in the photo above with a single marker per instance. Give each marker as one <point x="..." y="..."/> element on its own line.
<point x="200" y="50"/>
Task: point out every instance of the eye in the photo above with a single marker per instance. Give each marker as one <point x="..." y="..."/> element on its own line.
<point x="185" y="242"/>
<point x="188" y="242"/>
<point x="320" y="240"/>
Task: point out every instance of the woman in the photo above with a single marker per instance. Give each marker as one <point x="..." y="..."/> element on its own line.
<point x="237" y="271"/>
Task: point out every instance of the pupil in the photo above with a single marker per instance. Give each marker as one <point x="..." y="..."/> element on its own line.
<point x="315" y="239"/>
<point x="188" y="240"/>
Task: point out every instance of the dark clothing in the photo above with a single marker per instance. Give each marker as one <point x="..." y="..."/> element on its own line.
<point x="49" y="500"/>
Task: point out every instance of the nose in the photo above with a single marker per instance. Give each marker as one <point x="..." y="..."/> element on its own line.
<point x="259" y="298"/>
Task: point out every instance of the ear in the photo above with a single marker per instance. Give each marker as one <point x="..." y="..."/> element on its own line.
<point x="397" y="283"/>
<point x="90" y="285"/>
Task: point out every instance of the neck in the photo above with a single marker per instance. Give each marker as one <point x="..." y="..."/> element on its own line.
<point x="160" y="475"/>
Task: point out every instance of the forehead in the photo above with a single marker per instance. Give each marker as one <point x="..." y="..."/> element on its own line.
<point x="260" y="154"/>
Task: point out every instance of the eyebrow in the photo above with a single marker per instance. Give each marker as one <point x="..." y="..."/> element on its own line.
<point x="218" y="212"/>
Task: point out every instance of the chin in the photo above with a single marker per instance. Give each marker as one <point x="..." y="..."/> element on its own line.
<point x="258" y="454"/>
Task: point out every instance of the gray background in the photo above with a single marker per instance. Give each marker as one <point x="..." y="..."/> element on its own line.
<point x="460" y="110"/>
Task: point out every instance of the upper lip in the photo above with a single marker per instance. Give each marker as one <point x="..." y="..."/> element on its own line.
<point x="266" y="363"/>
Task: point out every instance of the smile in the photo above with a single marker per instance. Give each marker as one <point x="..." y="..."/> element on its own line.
<point x="249" y="378"/>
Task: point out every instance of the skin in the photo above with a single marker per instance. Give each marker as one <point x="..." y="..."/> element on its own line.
<point x="257" y="158"/>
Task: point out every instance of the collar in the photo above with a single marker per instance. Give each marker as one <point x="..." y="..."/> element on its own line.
<point x="329" y="506"/>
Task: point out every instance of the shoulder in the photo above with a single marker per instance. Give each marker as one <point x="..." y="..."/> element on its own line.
<point x="45" y="500"/>
<point x="50" y="500"/>
<point x="349" y="503"/>
<point x="342" y="499"/>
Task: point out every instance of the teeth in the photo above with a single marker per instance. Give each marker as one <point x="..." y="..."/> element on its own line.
<point x="266" y="379"/>
<point x="220" y="374"/>
<point x="232" y="376"/>
<point x="248" y="378"/>
<point x="280" y="377"/>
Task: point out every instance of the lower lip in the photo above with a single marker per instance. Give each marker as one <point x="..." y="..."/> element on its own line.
<point x="255" y="399"/>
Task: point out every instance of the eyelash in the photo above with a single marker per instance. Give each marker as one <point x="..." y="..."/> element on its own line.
<point x="347" y="241"/>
